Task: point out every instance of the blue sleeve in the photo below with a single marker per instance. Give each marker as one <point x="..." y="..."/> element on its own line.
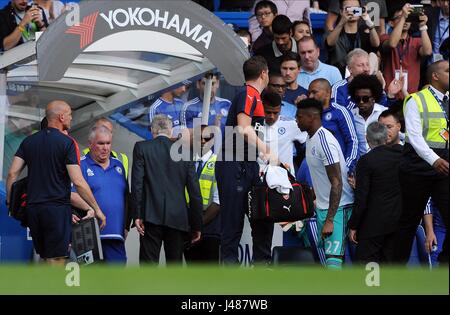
<point x="347" y="127"/>
<point x="337" y="96"/>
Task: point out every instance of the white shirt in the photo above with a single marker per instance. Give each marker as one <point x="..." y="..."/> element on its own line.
<point x="414" y="130"/>
<point x="361" y="124"/>
<point x="322" y="149"/>
<point x="205" y="159"/>
<point x="280" y="138"/>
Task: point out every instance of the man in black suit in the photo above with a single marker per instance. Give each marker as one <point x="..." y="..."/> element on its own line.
<point x="378" y="199"/>
<point x="158" y="194"/>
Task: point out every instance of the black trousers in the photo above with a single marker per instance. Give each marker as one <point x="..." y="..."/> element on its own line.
<point x="416" y="190"/>
<point x="379" y="249"/>
<point x="204" y="251"/>
<point x="151" y="242"/>
<point x="262" y="234"/>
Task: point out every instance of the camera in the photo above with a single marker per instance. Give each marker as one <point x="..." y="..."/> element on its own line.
<point x="356" y="11"/>
<point x="414" y="16"/>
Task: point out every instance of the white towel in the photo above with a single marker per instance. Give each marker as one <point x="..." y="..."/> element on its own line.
<point x="277" y="178"/>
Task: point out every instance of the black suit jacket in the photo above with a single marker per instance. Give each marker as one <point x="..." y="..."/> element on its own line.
<point x="433" y="21"/>
<point x="378" y="199"/>
<point x="158" y="187"/>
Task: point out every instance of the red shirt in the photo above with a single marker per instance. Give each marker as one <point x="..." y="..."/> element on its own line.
<point x="408" y="52"/>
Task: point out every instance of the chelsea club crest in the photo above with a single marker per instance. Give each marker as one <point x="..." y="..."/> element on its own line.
<point x="281" y="130"/>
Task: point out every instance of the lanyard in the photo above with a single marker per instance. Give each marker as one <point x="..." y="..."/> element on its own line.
<point x="440" y="102"/>
<point x="404" y="50"/>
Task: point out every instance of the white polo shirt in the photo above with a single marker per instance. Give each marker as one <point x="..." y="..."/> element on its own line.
<point x="280" y="138"/>
<point x="322" y="149"/>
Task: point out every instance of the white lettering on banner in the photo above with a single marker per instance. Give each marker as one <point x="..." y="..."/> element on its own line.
<point x="157" y="18"/>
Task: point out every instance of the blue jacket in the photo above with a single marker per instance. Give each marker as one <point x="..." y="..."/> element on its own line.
<point x="340" y="122"/>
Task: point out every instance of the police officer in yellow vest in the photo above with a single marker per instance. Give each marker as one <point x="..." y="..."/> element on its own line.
<point x="424" y="167"/>
<point x="122" y="157"/>
<point x="207" y="249"/>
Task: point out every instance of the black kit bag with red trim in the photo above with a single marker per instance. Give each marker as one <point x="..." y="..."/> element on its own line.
<point x="265" y="204"/>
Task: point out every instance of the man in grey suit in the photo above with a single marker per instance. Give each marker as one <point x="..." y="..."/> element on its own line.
<point x="158" y="186"/>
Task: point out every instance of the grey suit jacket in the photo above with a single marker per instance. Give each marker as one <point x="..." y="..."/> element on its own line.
<point x="158" y="187"/>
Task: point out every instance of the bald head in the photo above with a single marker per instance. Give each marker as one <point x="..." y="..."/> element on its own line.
<point x="322" y="84"/>
<point x="59" y="115"/>
<point x="320" y="90"/>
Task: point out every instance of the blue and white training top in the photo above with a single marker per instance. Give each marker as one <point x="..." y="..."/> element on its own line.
<point x="172" y="110"/>
<point x="193" y="109"/>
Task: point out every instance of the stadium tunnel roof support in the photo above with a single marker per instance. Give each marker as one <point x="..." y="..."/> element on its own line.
<point x="120" y="52"/>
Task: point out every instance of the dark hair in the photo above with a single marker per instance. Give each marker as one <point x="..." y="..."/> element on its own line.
<point x="291" y="56"/>
<point x="432" y="68"/>
<point x="271" y="99"/>
<point x="281" y="24"/>
<point x="364" y="81"/>
<point x="305" y="39"/>
<point x="266" y="4"/>
<point x="253" y="67"/>
<point x="44" y="123"/>
<point x="390" y="112"/>
<point x="341" y="3"/>
<point x="298" y="22"/>
<point x="310" y="103"/>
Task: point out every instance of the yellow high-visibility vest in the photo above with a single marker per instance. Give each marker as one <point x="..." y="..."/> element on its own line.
<point x="207" y="182"/>
<point x="432" y="117"/>
<point x="122" y="157"/>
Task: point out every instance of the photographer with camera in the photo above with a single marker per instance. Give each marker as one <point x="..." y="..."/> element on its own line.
<point x="401" y="52"/>
<point x="348" y="35"/>
<point x="19" y="22"/>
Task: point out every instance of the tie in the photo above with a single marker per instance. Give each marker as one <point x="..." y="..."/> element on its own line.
<point x="199" y="168"/>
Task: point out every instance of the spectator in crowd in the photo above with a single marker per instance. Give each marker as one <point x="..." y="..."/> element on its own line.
<point x="207" y="249"/>
<point x="278" y="85"/>
<point x="438" y="27"/>
<point x="170" y="104"/>
<point x="402" y="52"/>
<point x="238" y="169"/>
<point x="218" y="110"/>
<point x="52" y="159"/>
<point x="52" y="8"/>
<point x="279" y="135"/>
<point x="282" y="43"/>
<point x="265" y="13"/>
<point x="19" y="22"/>
<point x="366" y="92"/>
<point x="105" y="176"/>
<point x="158" y="186"/>
<point x="311" y="67"/>
<point x="293" y="9"/>
<point x="300" y="29"/>
<point x="424" y="167"/>
<point x="378" y="201"/>
<point x="338" y="120"/>
<point x="349" y="35"/>
<point x="334" y="196"/>
<point x="122" y="157"/>
<point x="391" y="120"/>
<point x="290" y="69"/>
<point x="334" y="11"/>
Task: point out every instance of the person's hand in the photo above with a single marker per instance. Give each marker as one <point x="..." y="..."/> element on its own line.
<point x="352" y="236"/>
<point x="90" y="214"/>
<point x="75" y="219"/>
<point x="396" y="86"/>
<point x="196" y="235"/>
<point x="423" y="20"/>
<point x="406" y="10"/>
<point x="441" y="166"/>
<point x="140" y="226"/>
<point x="345" y="16"/>
<point x="367" y="19"/>
<point x="29" y="16"/>
<point x="351" y="181"/>
<point x="327" y="229"/>
<point x="430" y="241"/>
<point x="102" y="219"/>
<point x="300" y="98"/>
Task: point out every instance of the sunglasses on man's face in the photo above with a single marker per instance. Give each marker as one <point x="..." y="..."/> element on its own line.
<point x="362" y="99"/>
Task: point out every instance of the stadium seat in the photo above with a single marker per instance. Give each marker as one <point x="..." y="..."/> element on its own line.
<point x="292" y="256"/>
